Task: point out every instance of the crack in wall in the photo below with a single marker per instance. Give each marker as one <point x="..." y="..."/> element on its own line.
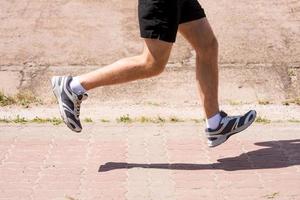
<point x="29" y="73"/>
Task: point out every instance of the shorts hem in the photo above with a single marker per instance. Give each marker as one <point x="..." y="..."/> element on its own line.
<point x="192" y="18"/>
<point x="157" y="36"/>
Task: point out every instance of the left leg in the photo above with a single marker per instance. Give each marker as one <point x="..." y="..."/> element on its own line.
<point x="201" y="37"/>
<point x="220" y="126"/>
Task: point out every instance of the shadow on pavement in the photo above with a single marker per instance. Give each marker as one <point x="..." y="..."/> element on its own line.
<point x="276" y="154"/>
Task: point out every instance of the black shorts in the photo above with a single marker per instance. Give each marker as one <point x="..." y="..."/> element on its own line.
<point x="159" y="19"/>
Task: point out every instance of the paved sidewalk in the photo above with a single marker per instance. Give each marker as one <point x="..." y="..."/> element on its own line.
<point x="143" y="162"/>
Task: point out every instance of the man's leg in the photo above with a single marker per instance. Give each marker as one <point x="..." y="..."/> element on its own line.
<point x="150" y="63"/>
<point x="220" y="125"/>
<point x="70" y="92"/>
<point x="201" y="37"/>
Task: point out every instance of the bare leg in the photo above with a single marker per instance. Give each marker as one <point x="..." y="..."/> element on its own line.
<point x="201" y="37"/>
<point x="150" y="63"/>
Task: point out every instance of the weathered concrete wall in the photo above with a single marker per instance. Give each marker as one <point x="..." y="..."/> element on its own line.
<point x="259" y="44"/>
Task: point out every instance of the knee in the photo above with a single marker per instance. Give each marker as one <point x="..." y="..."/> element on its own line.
<point x="207" y="47"/>
<point x="154" y="66"/>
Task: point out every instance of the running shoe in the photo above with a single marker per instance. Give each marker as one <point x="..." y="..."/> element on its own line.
<point x="229" y="126"/>
<point x="69" y="102"/>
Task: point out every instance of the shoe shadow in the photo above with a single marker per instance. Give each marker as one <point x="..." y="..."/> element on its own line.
<point x="275" y="154"/>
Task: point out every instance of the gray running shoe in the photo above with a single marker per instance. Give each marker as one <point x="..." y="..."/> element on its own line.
<point x="69" y="102"/>
<point x="229" y="126"/>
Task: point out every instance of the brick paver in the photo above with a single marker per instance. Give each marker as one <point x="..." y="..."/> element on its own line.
<point x="158" y="162"/>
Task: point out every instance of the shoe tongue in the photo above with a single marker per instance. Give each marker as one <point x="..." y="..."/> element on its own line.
<point x="223" y="114"/>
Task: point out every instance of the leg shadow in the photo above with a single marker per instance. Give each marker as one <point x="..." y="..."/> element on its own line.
<point x="275" y="154"/>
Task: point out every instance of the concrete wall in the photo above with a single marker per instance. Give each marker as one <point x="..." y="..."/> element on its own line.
<point x="39" y="36"/>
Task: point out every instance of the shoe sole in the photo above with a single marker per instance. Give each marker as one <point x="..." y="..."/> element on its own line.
<point x="56" y="91"/>
<point x="225" y="137"/>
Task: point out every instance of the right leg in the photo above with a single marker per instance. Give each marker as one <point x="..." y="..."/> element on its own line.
<point x="150" y="63"/>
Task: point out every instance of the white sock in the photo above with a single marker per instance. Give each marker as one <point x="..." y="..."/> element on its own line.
<point x="76" y="87"/>
<point x="214" y="121"/>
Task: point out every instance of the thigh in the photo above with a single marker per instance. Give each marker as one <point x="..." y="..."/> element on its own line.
<point x="157" y="50"/>
<point x="199" y="33"/>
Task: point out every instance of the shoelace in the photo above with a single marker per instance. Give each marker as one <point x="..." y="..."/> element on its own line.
<point x="78" y="103"/>
<point x="77" y="107"/>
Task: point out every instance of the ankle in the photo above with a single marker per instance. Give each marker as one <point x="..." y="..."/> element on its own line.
<point x="214" y="121"/>
<point x="76" y="86"/>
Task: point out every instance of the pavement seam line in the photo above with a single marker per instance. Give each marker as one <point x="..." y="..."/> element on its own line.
<point x="214" y="174"/>
<point x="260" y="178"/>
<point x="42" y="167"/>
<point x="127" y="161"/>
<point x="84" y="169"/>
<point x="9" y="151"/>
<point x="148" y="162"/>
<point x="171" y="174"/>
